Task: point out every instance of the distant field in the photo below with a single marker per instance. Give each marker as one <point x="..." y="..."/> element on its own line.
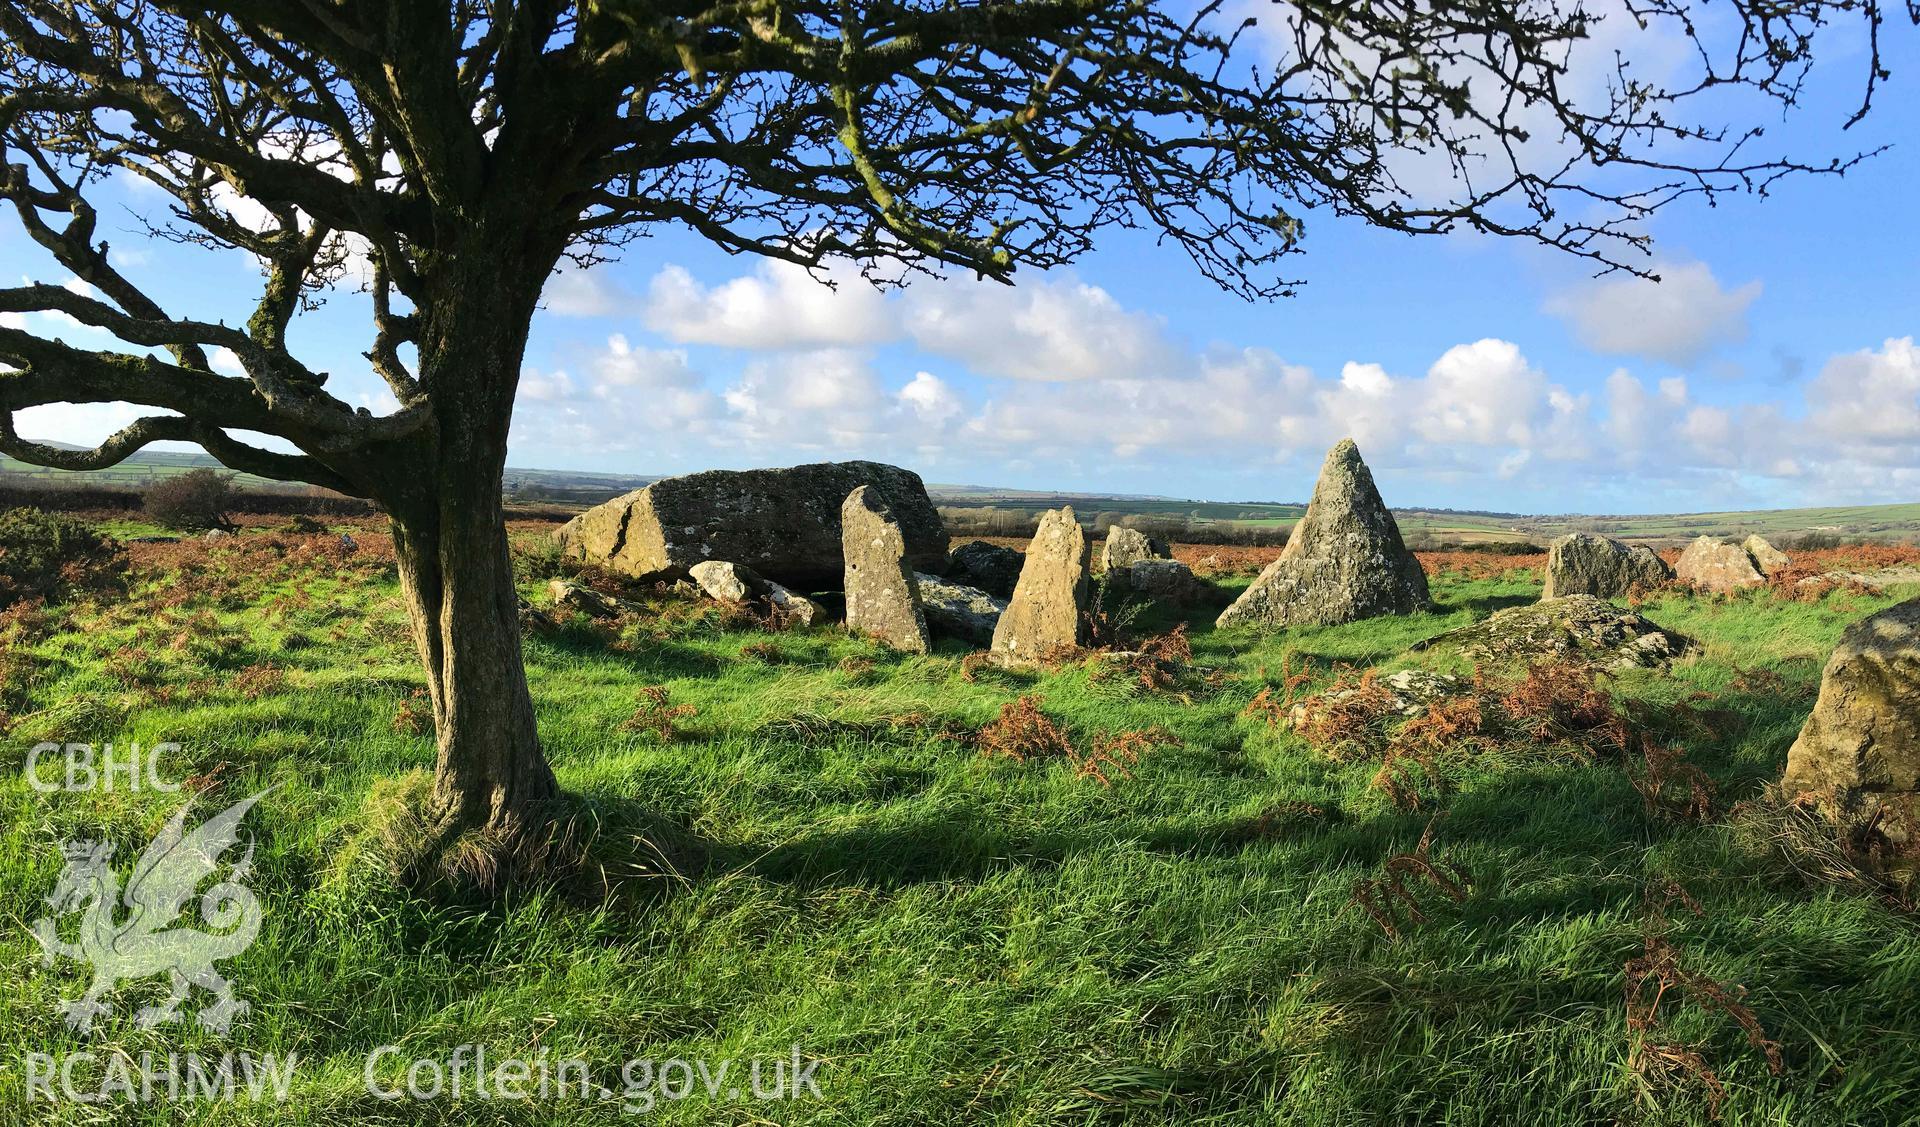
<point x="565" y="487"/>
<point x="580" y="489"/>
<point x="1891" y="522"/>
<point x="130" y="474"/>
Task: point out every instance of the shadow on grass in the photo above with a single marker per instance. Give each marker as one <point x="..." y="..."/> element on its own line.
<point x="657" y="660"/>
<point x="1550" y="817"/>
<point x="1488" y="605"/>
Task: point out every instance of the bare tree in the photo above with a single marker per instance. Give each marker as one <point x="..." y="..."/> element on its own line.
<point x="463" y="148"/>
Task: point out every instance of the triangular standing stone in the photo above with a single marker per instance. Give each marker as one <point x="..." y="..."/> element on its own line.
<point x="1344" y="561"/>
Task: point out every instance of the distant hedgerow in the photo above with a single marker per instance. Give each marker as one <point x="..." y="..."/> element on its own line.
<point x="197" y="499"/>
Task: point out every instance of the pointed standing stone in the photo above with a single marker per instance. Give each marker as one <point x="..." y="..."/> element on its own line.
<point x="1050" y="601"/>
<point x="1344" y="561"/>
<point x="883" y="599"/>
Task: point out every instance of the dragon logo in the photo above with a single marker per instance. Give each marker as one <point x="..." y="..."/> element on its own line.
<point x="144" y="941"/>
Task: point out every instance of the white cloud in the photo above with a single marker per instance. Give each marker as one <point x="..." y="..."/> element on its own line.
<point x="931" y="399"/>
<point x="630" y="400"/>
<point x="623" y="365"/>
<point x="1871" y="398"/>
<point x="1620" y="38"/>
<point x="779" y="306"/>
<point x="545" y="387"/>
<point x="1046" y="329"/>
<point x="829" y="398"/>
<point x="1482" y="394"/>
<point x="1067" y="380"/>
<point x="380" y="402"/>
<point x="227" y="362"/>
<point x="1041" y="330"/>
<point x="80" y="424"/>
<point x="1678" y="320"/>
<point x="573" y="292"/>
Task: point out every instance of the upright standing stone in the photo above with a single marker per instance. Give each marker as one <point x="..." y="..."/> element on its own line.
<point x="1128" y="546"/>
<point x="883" y="599"/>
<point x="1712" y="564"/>
<point x="1580" y="564"/>
<point x="1859" y="754"/>
<point x="1050" y="601"/>
<point x="1344" y="561"/>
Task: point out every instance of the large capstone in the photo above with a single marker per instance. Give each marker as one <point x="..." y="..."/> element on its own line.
<point x="989" y="567"/>
<point x="1579" y="564"/>
<point x="1858" y="756"/>
<point x="1127" y="546"/>
<point x="782" y="523"/>
<point x="883" y="598"/>
<point x="1711" y="564"/>
<point x="1049" y="605"/>
<point x="1580" y="628"/>
<point x="1344" y="561"/>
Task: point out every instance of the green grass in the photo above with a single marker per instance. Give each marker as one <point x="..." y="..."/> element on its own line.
<point x="961" y="939"/>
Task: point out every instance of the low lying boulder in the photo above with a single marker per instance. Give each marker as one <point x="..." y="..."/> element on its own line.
<point x="782" y="523"/>
<point x="1167" y="581"/>
<point x="581" y="598"/>
<point x="958" y="611"/>
<point x="727" y="582"/>
<point x="1576" y="627"/>
<point x="1715" y="565"/>
<point x="1409" y="692"/>
<point x="1858" y="756"/>
<point x="1581" y="564"/>
<point x="1900" y="575"/>
<point x="1769" y="559"/>
<point x="736" y="583"/>
<point x="989" y="567"/>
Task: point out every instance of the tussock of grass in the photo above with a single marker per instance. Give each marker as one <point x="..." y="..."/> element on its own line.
<point x="590" y="852"/>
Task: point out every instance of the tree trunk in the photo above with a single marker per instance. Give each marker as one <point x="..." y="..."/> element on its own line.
<point x="458" y="580"/>
<point x="455" y="568"/>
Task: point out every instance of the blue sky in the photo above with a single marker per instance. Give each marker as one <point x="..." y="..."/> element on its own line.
<point x="1774" y="367"/>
